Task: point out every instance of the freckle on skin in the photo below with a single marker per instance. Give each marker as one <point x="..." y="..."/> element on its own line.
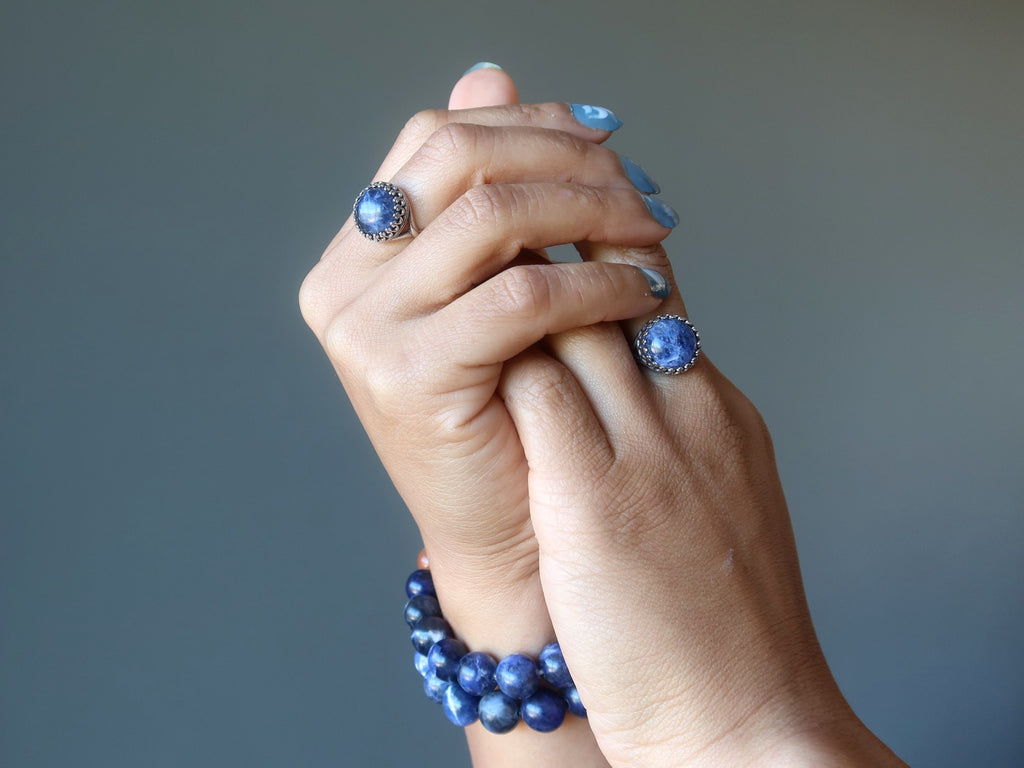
<point x="727" y="563"/>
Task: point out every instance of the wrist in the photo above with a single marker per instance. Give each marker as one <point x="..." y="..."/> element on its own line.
<point x="493" y="602"/>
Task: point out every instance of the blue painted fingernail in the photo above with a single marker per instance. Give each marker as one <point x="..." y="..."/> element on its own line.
<point x="640" y="178"/>
<point x="481" y="65"/>
<point x="660" y="288"/>
<point x="662" y="213"/>
<point x="595" y="117"/>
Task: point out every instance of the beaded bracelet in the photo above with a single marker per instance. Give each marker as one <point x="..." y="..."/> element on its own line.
<point x="472" y="685"/>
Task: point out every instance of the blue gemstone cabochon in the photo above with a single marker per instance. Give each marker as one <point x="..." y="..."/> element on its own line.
<point x="668" y="344"/>
<point x="375" y="210"/>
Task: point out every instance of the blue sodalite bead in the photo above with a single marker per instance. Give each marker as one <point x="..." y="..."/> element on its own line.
<point x="572" y="698"/>
<point x="419" y="607"/>
<point x="432" y="629"/>
<point x="671" y="343"/>
<point x="478" y="673"/>
<point x="498" y="713"/>
<point x="552" y="666"/>
<point x="435" y="687"/>
<point x="460" y="707"/>
<point x="445" y="658"/>
<point x="420" y="583"/>
<point x="544" y="711"/>
<point x="420" y="662"/>
<point x="518" y="676"/>
<point x="374" y="210"/>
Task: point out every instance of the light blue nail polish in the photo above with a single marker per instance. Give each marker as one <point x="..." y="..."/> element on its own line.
<point x="595" y="117"/>
<point x="640" y="178"/>
<point x="660" y="288"/>
<point x="481" y="65"/>
<point x="662" y="213"/>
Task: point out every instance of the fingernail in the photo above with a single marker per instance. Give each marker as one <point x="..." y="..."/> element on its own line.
<point x="663" y="214"/>
<point x="595" y="117"/>
<point x="660" y="288"/>
<point x="481" y="65"/>
<point x="640" y="178"/>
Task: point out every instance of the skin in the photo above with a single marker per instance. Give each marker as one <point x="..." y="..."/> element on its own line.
<point x="560" y="490"/>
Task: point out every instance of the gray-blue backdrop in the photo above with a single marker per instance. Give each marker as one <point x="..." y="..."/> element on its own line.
<point x="201" y="560"/>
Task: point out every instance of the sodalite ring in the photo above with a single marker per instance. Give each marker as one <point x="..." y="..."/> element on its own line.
<point x="381" y="212"/>
<point x="668" y="344"/>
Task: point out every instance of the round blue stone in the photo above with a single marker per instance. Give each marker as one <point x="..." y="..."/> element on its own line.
<point x="518" y="676"/>
<point x="671" y="343"/>
<point x="446" y="656"/>
<point x="498" y="713"/>
<point x="460" y="707"/>
<point x="572" y="698"/>
<point x="435" y="687"/>
<point x="421" y="664"/>
<point x="431" y="630"/>
<point x="374" y="210"/>
<point x="552" y="666"/>
<point x="544" y="711"/>
<point x="478" y="673"/>
<point x="420" y="583"/>
<point x="420" y="607"/>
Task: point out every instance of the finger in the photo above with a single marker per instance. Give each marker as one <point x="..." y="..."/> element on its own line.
<point x="522" y="304"/>
<point x="423" y="125"/>
<point x="484" y="85"/>
<point x="558" y="428"/>
<point x="488" y="226"/>
<point x="418" y="129"/>
<point x="461" y="155"/>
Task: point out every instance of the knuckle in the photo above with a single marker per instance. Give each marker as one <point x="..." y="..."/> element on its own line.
<point x="547" y="387"/>
<point x="344" y="341"/>
<point x="736" y="432"/>
<point x="484" y="205"/>
<point x="454" y="138"/>
<point x="313" y="300"/>
<point x="421" y="125"/>
<point x="651" y="256"/>
<point x="522" y="291"/>
<point x="445" y="146"/>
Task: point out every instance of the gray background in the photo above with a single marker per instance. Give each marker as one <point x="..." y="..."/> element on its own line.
<point x="201" y="561"/>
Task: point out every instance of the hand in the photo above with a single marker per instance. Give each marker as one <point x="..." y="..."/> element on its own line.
<point x="418" y="330"/>
<point x="667" y="559"/>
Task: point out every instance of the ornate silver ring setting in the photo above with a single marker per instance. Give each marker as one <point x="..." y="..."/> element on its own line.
<point x="668" y="344"/>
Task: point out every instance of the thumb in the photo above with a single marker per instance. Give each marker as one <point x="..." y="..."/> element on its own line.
<point x="484" y="85"/>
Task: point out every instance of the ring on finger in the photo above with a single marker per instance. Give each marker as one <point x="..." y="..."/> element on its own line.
<point x="381" y="212"/>
<point x="668" y="344"/>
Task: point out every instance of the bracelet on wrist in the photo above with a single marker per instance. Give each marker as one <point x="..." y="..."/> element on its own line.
<point x="473" y="685"/>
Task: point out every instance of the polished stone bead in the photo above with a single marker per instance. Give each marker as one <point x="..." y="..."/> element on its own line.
<point x="518" y="676"/>
<point x="671" y="342"/>
<point x="421" y="663"/>
<point x="572" y="698"/>
<point x="498" y="713"/>
<point x="544" y="711"/>
<point x="478" y="673"/>
<point x="431" y="630"/>
<point x="445" y="658"/>
<point x="420" y="607"/>
<point x="435" y="687"/>
<point x="374" y="210"/>
<point x="420" y="582"/>
<point x="552" y="666"/>
<point x="460" y="707"/>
